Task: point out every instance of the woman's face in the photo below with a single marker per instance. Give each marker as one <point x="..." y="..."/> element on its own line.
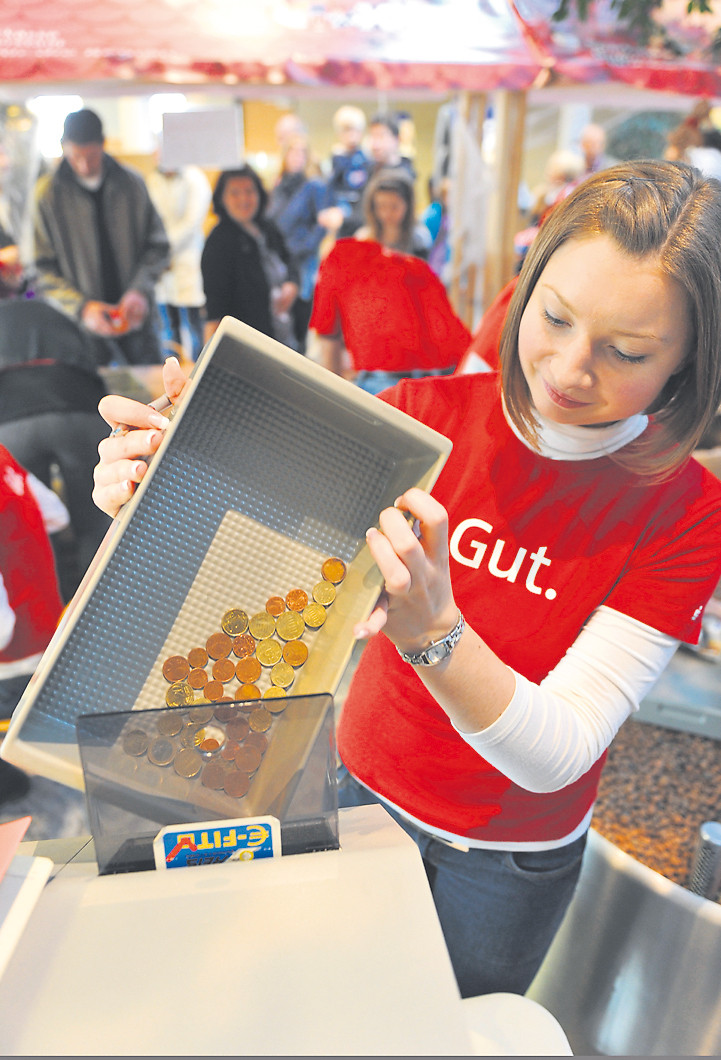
<point x="241" y="199"/>
<point x="390" y="209"/>
<point x="602" y="333"/>
<point x="296" y="158"/>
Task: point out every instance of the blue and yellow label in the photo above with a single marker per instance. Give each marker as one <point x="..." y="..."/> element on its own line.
<point x="215" y="842"/>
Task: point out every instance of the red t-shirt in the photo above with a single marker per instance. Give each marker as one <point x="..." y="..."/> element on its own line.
<point x="536" y="546"/>
<point x="26" y="564"/>
<point x="484" y="344"/>
<point x="390" y="308"/>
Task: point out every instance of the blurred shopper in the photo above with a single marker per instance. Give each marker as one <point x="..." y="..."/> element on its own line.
<point x="30" y="603"/>
<point x="100" y="246"/>
<point x="295" y="204"/>
<point x="382" y="304"/>
<point x="384" y="145"/>
<point x="248" y="272"/>
<point x="182" y="199"/>
<point x="350" y="169"/>
<point x="593" y="148"/>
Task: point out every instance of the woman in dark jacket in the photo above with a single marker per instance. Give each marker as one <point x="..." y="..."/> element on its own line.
<point x="247" y="270"/>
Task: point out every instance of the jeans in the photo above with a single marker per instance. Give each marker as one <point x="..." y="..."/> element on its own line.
<point x="499" y="910"/>
<point x="375" y="381"/>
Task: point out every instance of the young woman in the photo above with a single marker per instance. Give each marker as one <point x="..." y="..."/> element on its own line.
<point x="247" y="270"/>
<point x="380" y="302"/>
<point x="569" y="544"/>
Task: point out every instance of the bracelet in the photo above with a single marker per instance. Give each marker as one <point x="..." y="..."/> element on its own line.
<point x="437" y="650"/>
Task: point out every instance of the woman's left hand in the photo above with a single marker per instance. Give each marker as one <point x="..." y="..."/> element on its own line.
<point x="416" y="605"/>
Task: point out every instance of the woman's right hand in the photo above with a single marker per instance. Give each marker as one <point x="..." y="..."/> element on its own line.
<point x="122" y="463"/>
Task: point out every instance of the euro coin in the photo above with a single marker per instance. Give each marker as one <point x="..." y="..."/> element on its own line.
<point x="295" y="653"/>
<point x="296" y="599"/>
<point x="269" y="652"/>
<point x="236" y="784"/>
<point x="290" y="625"/>
<point x="200" y="715"/>
<point x="248" y="670"/>
<point x="248" y="691"/>
<point x="260" y="720"/>
<point x="225" y="713"/>
<point x="237" y="729"/>
<point x="333" y="570"/>
<point x="282" y="675"/>
<point x="135" y="742"/>
<point x="187" y="763"/>
<point x="262" y="625"/>
<point x="197" y="678"/>
<point x="169" y="724"/>
<point x="191" y="735"/>
<point x="248" y="759"/>
<point x="176" y="668"/>
<point x="229" y="750"/>
<point x="275" y="699"/>
<point x="234" y="622"/>
<point x="213" y="691"/>
<point x="314" y="615"/>
<point x="197" y="657"/>
<point x="161" y="751"/>
<point x="218" y="645"/>
<point x="275" y="606"/>
<point x="179" y="694"/>
<point x="213" y="776"/>
<point x="257" y="739"/>
<point x="324" y="592"/>
<point x="223" y="670"/>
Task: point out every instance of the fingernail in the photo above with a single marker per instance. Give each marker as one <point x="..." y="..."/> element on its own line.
<point x="127" y="486"/>
<point x="173" y="358"/>
<point x="137" y="467"/>
<point x="153" y="437"/>
<point x="159" y="421"/>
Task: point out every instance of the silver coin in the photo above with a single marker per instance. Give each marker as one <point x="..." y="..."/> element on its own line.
<point x="169" y="724"/>
<point x="135" y="742"/>
<point x="161" y="751"/>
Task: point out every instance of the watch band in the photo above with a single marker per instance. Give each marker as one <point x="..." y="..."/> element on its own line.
<point x="437" y="650"/>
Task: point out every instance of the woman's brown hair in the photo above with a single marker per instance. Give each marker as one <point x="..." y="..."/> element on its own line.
<point x="668" y="210"/>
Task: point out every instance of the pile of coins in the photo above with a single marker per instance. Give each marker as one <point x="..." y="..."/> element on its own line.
<point x="218" y="739"/>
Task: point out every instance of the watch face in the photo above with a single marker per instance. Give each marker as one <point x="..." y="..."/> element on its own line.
<point x="436" y="653"/>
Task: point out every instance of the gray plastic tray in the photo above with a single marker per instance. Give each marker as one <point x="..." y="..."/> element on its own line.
<point x="306" y="462"/>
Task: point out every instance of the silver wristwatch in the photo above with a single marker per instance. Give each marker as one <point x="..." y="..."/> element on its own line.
<point x="437" y="650"/>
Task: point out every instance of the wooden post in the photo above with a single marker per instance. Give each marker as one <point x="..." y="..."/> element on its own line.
<point x="503" y="214"/>
<point x="471" y="115"/>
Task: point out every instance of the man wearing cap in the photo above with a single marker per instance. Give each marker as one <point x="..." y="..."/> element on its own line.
<point x="100" y="245"/>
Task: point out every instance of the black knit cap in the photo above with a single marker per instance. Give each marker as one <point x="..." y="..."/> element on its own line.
<point x="83" y="127"/>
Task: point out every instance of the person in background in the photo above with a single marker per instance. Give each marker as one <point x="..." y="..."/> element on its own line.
<point x="248" y="272"/>
<point x="381" y="303"/>
<point x="592" y="143"/>
<point x="384" y="145"/>
<point x="99" y="244"/>
<point x="30" y="602"/>
<point x="294" y="205"/>
<point x="182" y="199"/>
<point x="350" y="169"/>
<point x="534" y="597"/>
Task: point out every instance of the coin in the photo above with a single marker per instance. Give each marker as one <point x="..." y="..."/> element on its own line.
<point x="262" y="625"/>
<point x="161" y="751"/>
<point x="213" y="776"/>
<point x="213" y="691"/>
<point x="191" y="735"/>
<point x="277" y="699"/>
<point x="295" y="652"/>
<point x="179" y="694"/>
<point x="260" y="720"/>
<point x="176" y="668"/>
<point x="275" y="606"/>
<point x="282" y="675"/>
<point x="248" y="691"/>
<point x="209" y="746"/>
<point x="324" y="592"/>
<point x="197" y="657"/>
<point x="229" y="750"/>
<point x="296" y="599"/>
<point x="169" y="724"/>
<point x="248" y="670"/>
<point x="187" y="763"/>
<point x="257" y="739"/>
<point x="237" y="729"/>
<point x="244" y="645"/>
<point x="290" y="625"/>
<point x="200" y="715"/>
<point x="248" y="759"/>
<point x="274" y="692"/>
<point x="269" y="652"/>
<point x="135" y="742"/>
<point x="197" y="679"/>
<point x="219" y="645"/>
<point x="333" y="570"/>
<point x="236" y="784"/>
<point x="314" y="615"/>
<point x="223" y="670"/>
<point x="234" y="622"/>
<point x="225" y="713"/>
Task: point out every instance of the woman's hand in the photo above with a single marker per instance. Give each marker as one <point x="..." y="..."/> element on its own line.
<point x="285" y="297"/>
<point x="121" y="465"/>
<point x="417" y="605"/>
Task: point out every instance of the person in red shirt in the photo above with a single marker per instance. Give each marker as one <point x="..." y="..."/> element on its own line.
<point x="570" y="543"/>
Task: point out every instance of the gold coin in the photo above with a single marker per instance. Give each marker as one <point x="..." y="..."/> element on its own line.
<point x="260" y="721"/>
<point x="179" y="694"/>
<point x="219" y="645"/>
<point x="187" y="763"/>
<point x="333" y="570"/>
<point x="276" y="699"/>
<point x="223" y="670"/>
<point x="161" y="751"/>
<point x="197" y="678"/>
<point x="262" y="625"/>
<point x="169" y="724"/>
<point x="282" y="675"/>
<point x="314" y="615"/>
<point x="295" y="652"/>
<point x="290" y="625"/>
<point x="296" y="599"/>
<point x="200" y="715"/>
<point x="243" y="646"/>
<point x="275" y="606"/>
<point x="192" y="735"/>
<point x="324" y="592"/>
<point x="197" y="658"/>
<point x="248" y="670"/>
<point x="234" y="622"/>
<point x="176" y="668"/>
<point x="269" y="652"/>
<point x="248" y="691"/>
<point x="135" y="742"/>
